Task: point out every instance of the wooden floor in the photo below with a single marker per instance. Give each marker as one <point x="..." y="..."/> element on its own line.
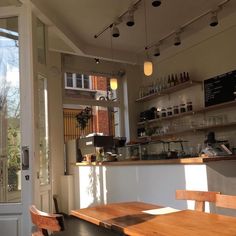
<point x="77" y="227"/>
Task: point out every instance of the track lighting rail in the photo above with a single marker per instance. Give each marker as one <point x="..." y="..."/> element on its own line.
<point x="119" y="19"/>
<point x="184" y="26"/>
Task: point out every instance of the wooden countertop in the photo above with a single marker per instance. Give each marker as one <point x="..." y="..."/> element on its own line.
<point x="190" y="161"/>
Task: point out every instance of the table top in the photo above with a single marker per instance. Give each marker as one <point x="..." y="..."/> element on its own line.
<point x="134" y="218"/>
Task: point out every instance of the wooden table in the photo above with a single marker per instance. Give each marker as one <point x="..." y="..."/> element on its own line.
<point x="130" y="219"/>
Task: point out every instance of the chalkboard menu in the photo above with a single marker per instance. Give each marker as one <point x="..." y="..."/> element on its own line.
<point x="220" y="89"/>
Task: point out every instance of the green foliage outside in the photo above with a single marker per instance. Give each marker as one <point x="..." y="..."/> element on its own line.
<point x="13" y="155"/>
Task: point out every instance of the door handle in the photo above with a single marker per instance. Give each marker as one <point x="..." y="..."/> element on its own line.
<point x="25" y="157"/>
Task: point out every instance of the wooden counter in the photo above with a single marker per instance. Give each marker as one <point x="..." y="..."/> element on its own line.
<point x="191" y="161"/>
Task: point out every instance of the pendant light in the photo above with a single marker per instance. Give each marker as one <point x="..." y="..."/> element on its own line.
<point x="113" y="83"/>
<point x="113" y="80"/>
<point x="147" y="66"/>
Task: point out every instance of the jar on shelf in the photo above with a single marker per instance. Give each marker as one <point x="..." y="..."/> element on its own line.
<point x="176" y="110"/>
<point x="182" y="108"/>
<point x="169" y="111"/>
<point x="163" y="112"/>
<point x="189" y="106"/>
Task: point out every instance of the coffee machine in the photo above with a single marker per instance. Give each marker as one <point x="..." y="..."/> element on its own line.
<point x="90" y="145"/>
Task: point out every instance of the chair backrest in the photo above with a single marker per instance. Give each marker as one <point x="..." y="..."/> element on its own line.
<point x="226" y="201"/>
<point x="200" y="197"/>
<point x="44" y="222"/>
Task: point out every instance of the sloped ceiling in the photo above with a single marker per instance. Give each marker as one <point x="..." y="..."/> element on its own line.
<point x="80" y="20"/>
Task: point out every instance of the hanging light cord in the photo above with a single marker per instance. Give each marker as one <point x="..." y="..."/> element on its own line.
<point x="145" y="21"/>
<point x="111" y="45"/>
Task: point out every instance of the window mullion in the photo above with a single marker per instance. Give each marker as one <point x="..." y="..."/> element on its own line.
<point x="74" y="80"/>
<point x="82" y="76"/>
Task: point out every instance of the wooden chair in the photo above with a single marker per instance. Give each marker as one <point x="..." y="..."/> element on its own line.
<point x="46" y="222"/>
<point x="200" y="197"/>
<point x="226" y="201"/>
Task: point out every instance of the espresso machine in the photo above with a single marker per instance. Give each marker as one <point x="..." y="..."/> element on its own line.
<point x="91" y="145"/>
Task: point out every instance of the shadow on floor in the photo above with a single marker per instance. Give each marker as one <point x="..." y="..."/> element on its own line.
<point x="77" y="227"/>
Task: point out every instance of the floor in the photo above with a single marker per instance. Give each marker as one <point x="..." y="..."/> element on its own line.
<point x="77" y="227"/>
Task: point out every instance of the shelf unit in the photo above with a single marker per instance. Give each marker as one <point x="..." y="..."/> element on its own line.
<point x="202" y="110"/>
<point x="170" y="90"/>
<point x="195" y="129"/>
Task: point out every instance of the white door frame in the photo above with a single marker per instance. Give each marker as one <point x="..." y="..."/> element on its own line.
<point x="19" y="212"/>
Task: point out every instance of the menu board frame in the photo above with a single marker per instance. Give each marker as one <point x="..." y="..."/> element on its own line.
<point x="220" y="89"/>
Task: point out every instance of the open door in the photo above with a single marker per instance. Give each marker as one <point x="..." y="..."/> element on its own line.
<point x="16" y="122"/>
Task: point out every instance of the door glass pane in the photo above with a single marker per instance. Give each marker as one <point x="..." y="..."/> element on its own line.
<point x="43" y="131"/>
<point x="41" y="42"/>
<point x="10" y="142"/>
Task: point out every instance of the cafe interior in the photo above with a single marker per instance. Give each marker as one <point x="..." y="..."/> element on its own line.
<point x="117" y="117"/>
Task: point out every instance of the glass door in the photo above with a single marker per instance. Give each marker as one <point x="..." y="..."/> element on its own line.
<point x="44" y="157"/>
<point x="16" y="120"/>
<point x="10" y="138"/>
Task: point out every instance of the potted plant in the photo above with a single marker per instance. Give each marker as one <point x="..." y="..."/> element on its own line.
<point x="83" y="117"/>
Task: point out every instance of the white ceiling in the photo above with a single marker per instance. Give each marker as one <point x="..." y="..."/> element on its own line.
<point x="80" y="20"/>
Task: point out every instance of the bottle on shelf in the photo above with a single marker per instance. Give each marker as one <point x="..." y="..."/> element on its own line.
<point x="181" y="79"/>
<point x="157" y="85"/>
<point x="140" y="92"/>
<point x="165" y="82"/>
<point x="172" y="80"/>
<point x="169" y="81"/>
<point x="187" y="77"/>
<point x="176" y="80"/>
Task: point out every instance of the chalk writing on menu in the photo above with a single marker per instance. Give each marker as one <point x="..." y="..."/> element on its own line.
<point x="220" y="89"/>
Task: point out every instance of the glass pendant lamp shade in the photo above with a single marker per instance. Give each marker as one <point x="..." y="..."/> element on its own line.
<point x="148" y="68"/>
<point x="113" y="83"/>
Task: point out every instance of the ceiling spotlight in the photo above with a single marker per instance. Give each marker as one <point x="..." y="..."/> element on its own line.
<point x="115" y="31"/>
<point x="97" y="61"/>
<point x="177" y="40"/>
<point x="214" y="19"/>
<point x="156" y="51"/>
<point x="156" y="3"/>
<point x="130" y="19"/>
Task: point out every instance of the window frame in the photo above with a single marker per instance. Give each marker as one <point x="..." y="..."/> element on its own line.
<point x="115" y="103"/>
<point x="74" y="81"/>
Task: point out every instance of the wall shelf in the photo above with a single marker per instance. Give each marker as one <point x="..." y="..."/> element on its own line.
<point x="194" y="129"/>
<point x="170" y="90"/>
<point x="190" y="113"/>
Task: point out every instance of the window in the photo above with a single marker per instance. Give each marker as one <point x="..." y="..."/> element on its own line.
<point x="77" y="81"/>
<point x="103" y="102"/>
